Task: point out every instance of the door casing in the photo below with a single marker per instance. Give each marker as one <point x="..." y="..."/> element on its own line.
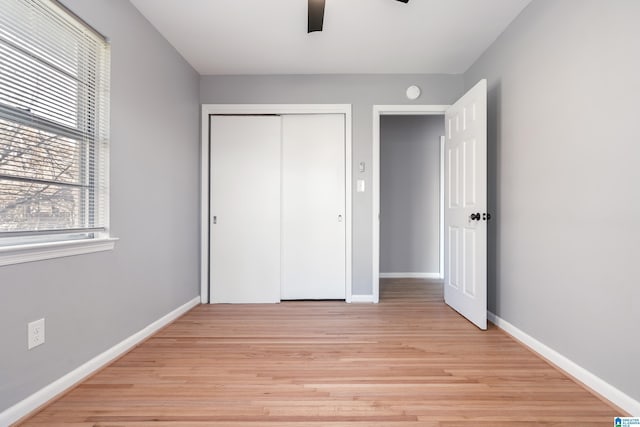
<point x="380" y="110"/>
<point x="257" y="109"/>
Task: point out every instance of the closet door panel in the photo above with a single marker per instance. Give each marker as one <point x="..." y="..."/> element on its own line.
<point x="313" y="207"/>
<point x="245" y="209"/>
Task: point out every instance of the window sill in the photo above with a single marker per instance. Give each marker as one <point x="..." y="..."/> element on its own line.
<point x="18" y="254"/>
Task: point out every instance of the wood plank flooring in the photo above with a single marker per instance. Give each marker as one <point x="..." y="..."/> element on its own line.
<point x="408" y="361"/>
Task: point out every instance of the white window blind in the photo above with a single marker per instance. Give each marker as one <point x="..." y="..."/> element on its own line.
<point x="54" y="105"/>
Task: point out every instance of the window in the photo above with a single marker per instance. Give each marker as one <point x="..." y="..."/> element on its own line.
<point x="54" y="121"/>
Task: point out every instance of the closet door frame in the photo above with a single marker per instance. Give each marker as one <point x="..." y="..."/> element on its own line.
<point x="256" y="109"/>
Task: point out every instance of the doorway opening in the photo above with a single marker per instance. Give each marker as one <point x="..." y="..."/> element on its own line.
<point x="410" y="197"/>
<point x="465" y="200"/>
<point x="408" y="221"/>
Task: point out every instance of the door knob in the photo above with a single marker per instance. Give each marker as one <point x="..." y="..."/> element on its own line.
<point x="339" y="218"/>
<point x="475" y="216"/>
<point x="486" y="216"/>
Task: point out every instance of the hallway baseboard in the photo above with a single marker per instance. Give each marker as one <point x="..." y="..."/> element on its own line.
<point x="410" y="276"/>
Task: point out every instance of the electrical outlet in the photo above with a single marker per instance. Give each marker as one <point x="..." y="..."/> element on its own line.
<point x="35" y="333"/>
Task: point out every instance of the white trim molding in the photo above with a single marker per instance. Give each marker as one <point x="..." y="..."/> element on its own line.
<point x="362" y="299"/>
<point x="386" y="110"/>
<point x="441" y="234"/>
<point x="18" y="254"/>
<point x="249" y="109"/>
<point x="410" y="276"/>
<point x="62" y="384"/>
<point x="588" y="379"/>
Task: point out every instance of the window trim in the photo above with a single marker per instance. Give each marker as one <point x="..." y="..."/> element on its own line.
<point x="61" y="243"/>
<point x="18" y="254"/>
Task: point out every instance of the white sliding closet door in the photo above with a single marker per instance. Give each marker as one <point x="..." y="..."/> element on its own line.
<point x="245" y="209"/>
<point x="313" y="207"/>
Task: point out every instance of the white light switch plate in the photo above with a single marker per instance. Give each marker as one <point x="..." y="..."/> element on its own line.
<point x="360" y="186"/>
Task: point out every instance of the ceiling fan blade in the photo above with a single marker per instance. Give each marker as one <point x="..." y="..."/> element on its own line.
<point x="315" y="10"/>
<point x="316" y="15"/>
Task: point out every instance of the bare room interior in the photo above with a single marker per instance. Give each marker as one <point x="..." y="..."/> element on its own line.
<point x="319" y="213"/>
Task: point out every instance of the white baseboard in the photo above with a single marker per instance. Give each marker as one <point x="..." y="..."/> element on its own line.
<point x="362" y="298"/>
<point x="595" y="383"/>
<point x="410" y="276"/>
<point x="47" y="393"/>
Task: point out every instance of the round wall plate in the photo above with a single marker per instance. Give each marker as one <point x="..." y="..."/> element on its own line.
<point x="413" y="92"/>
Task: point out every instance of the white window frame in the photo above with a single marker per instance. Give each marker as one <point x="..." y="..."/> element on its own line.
<point x="49" y="246"/>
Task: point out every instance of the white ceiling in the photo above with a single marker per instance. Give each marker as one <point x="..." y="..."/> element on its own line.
<point x="360" y="36"/>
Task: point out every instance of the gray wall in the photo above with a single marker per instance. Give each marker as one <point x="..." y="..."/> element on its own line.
<point x="92" y="302"/>
<point x="410" y="193"/>
<point x="564" y="148"/>
<point x="362" y="91"/>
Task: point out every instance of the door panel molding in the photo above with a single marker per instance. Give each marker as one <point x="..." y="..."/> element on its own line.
<point x="465" y="288"/>
<point x="256" y="109"/>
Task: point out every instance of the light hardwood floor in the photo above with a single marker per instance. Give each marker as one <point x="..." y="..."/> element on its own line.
<point x="409" y="361"/>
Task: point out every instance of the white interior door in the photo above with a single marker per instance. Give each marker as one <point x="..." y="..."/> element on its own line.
<point x="245" y="209"/>
<point x="465" y="278"/>
<point x="313" y="207"/>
